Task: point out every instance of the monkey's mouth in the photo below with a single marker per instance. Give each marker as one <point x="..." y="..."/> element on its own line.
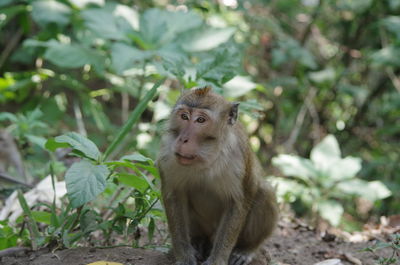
<point x="185" y="159"/>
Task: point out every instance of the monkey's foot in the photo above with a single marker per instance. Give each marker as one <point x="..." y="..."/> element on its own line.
<point x="240" y="258"/>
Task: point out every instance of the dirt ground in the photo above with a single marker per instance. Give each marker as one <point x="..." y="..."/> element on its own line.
<point x="289" y="246"/>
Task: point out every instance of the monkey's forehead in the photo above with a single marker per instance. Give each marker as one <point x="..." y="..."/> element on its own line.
<point x="210" y="101"/>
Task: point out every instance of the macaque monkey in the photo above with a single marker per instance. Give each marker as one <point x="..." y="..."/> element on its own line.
<point x="10" y="156"/>
<point x="218" y="207"/>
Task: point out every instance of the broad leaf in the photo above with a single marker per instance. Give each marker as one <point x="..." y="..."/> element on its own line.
<point x="133" y="181"/>
<point x="207" y="38"/>
<point x="295" y="166"/>
<point x="392" y="23"/>
<point x="238" y="86"/>
<point x="344" y="168"/>
<point x="72" y="56"/>
<point x="327" y="152"/>
<point x="388" y="56"/>
<point x="357" y="6"/>
<point x="85" y="181"/>
<point x="50" y="11"/>
<point x="374" y="190"/>
<point x="331" y="211"/>
<point x="124" y="57"/>
<point x="326" y="75"/>
<point x="136" y="157"/>
<point x="219" y="68"/>
<point x="103" y="23"/>
<point x="80" y="143"/>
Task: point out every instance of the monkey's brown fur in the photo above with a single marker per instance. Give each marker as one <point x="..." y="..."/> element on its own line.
<point x="219" y="208"/>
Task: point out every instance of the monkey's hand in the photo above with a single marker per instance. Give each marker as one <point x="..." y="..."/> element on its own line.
<point x="239" y="258"/>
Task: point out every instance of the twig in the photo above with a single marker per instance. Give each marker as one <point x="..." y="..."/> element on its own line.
<point x="10" y="46"/>
<point x="79" y="120"/>
<point x="113" y="198"/>
<point x="299" y="120"/>
<point x="314" y="16"/>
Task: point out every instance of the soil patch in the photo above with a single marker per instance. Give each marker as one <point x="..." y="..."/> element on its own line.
<point x="299" y="246"/>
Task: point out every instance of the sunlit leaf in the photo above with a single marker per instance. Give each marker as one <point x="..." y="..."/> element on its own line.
<point x="374" y="190"/>
<point x="331" y="211"/>
<point x="327" y="152"/>
<point x="207" y="38"/>
<point x="344" y="168"/>
<point x="238" y="86"/>
<point x="295" y="166"/>
<point x="388" y="56"/>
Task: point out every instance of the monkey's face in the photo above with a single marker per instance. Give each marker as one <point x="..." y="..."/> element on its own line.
<point x="195" y="132"/>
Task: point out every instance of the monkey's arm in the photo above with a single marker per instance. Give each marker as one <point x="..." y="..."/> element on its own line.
<point x="176" y="209"/>
<point x="227" y="234"/>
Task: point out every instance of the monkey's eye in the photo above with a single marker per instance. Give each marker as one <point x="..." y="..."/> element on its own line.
<point x="200" y="120"/>
<point x="211" y="138"/>
<point x="184" y="116"/>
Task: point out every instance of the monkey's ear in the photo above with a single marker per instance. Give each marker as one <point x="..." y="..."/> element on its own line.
<point x="233" y="113"/>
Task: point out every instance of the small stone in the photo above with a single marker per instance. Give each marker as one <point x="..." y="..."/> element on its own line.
<point x="330" y="262"/>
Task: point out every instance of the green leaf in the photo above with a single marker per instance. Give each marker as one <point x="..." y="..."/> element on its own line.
<point x="72" y="56"/>
<point x="85" y="181"/>
<point x="218" y="68"/>
<point x="80" y="143"/>
<point x="295" y="166"/>
<point x="327" y="152"/>
<point x="357" y="6"/>
<point x="52" y="145"/>
<point x="103" y="23"/>
<point x="50" y="11"/>
<point x="133" y="181"/>
<point x="136" y="157"/>
<point x="331" y="211"/>
<point x="394" y="4"/>
<point x="8" y="116"/>
<point x="392" y="24"/>
<point x="9" y="13"/>
<point x="125" y="57"/>
<point x="388" y="56"/>
<point x="42" y="217"/>
<point x="206" y="38"/>
<point x="323" y="76"/>
<point x="40" y="141"/>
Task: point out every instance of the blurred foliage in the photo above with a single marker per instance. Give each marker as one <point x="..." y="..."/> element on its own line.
<point x="393" y="245"/>
<point x="302" y="70"/>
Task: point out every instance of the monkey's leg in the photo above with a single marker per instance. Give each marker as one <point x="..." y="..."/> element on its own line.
<point x="259" y="225"/>
<point x="227" y="234"/>
<point x="178" y="222"/>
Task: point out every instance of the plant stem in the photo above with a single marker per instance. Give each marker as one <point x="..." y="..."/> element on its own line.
<point x="134" y="117"/>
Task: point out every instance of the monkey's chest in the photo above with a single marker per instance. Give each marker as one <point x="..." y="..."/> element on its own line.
<point x="206" y="207"/>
